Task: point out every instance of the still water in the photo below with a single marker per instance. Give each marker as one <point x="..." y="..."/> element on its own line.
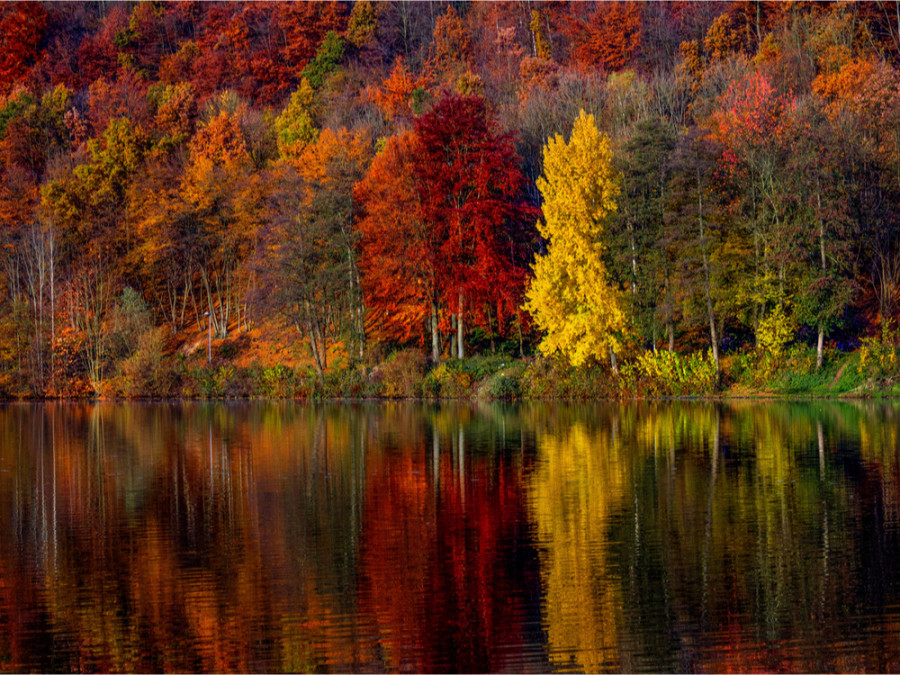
<point x="261" y="537"/>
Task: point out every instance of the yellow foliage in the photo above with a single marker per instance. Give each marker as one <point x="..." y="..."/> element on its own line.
<point x="570" y="298"/>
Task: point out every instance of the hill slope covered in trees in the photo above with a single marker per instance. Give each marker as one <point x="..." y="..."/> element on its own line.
<point x="296" y="198"/>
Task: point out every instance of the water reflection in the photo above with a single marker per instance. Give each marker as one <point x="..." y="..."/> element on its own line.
<point x="410" y="537"/>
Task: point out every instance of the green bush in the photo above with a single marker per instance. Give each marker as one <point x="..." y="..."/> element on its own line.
<point x="666" y="373"/>
<point x="505" y="384"/>
<point x="280" y="381"/>
<point x="446" y="381"/>
<point x="345" y="383"/>
<point x="552" y="378"/>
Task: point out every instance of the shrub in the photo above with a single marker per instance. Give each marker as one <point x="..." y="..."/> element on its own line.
<point x="666" y="373"/>
<point x="878" y="356"/>
<point x="146" y="372"/>
<point x="401" y="375"/>
<point x="505" y="384"/>
<point x="446" y="381"/>
<point x="280" y="381"/>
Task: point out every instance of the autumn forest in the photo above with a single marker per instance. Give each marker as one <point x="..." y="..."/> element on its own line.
<point x="502" y="199"/>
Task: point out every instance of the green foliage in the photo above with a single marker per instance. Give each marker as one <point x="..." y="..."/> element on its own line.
<point x="555" y="378"/>
<point x="775" y="331"/>
<point x="446" y="381"/>
<point x="280" y="381"/>
<point x="130" y="320"/>
<point x="345" y="383"/>
<point x="294" y="126"/>
<point x="503" y="385"/>
<point x="666" y="373"/>
<point x="327" y="58"/>
<point x="14" y="108"/>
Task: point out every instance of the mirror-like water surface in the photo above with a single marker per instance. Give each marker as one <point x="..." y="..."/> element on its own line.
<point x="413" y="537"/>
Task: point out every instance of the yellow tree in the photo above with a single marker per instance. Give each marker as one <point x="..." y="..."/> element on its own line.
<point x="570" y="297"/>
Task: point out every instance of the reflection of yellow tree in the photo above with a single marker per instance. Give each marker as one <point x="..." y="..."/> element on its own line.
<point x="579" y="479"/>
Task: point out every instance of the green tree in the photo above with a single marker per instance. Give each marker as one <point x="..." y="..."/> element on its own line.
<point x="570" y="297"/>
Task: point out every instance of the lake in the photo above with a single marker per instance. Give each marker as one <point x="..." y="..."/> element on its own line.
<point x="258" y="537"/>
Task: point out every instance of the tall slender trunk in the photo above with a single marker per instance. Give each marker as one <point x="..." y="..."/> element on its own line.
<point x="435" y="340"/>
<point x="460" y="331"/>
<point x="710" y="313"/>
<point x="452" y="336"/>
<point x="820" y="343"/>
<point x="612" y="360"/>
<point x="521" y="341"/>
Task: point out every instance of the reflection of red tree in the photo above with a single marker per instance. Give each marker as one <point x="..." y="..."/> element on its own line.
<point x="439" y="567"/>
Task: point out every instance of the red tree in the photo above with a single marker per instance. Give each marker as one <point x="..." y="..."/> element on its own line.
<point x="471" y="191"/>
<point x="444" y="223"/>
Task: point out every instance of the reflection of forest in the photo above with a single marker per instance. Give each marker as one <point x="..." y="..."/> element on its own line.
<point x="746" y="536"/>
<point x="262" y="537"/>
<point x="257" y="537"/>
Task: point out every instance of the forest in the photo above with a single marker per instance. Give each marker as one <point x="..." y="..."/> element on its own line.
<point x="507" y="199"/>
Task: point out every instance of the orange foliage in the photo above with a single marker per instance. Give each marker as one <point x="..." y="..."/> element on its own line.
<point x="394" y="96"/>
<point x="608" y="38"/>
<point x="397" y="271"/>
<point x="869" y="87"/>
<point x="123" y="97"/>
<point x="452" y="42"/>
<point x="220" y="141"/>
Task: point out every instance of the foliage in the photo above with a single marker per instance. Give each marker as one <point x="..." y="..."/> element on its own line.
<point x="666" y="373"/>
<point x="401" y="375"/>
<point x="146" y="371"/>
<point x="241" y="165"/>
<point x="775" y="331"/>
<point x="504" y="384"/>
<point x="570" y="297"/>
<point x="878" y="356"/>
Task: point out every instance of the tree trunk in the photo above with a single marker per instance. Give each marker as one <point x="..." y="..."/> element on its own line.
<point x="820" y="347"/>
<point x="435" y="341"/>
<point x="460" y="345"/>
<point x="521" y="341"/>
<point x="820" y="344"/>
<point x="612" y="361"/>
<point x="710" y="313"/>
<point x="452" y="336"/>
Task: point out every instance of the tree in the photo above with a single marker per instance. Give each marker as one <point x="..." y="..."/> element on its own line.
<point x="452" y="194"/>
<point x="311" y="273"/>
<point x="570" y="297"/>
<point x="397" y="253"/>
<point x="609" y="37"/>
<point x="695" y="211"/>
<point x="639" y="234"/>
<point x="472" y="195"/>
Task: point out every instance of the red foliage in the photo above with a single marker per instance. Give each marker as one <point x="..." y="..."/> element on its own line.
<point x="259" y="49"/>
<point x="21" y="28"/>
<point x="397" y="254"/>
<point x="471" y="190"/>
<point x="97" y="54"/>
